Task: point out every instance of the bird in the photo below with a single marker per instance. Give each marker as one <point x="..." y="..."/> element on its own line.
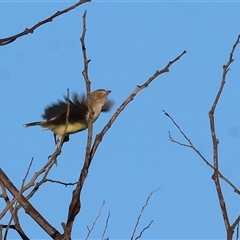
<point x="80" y="109"/>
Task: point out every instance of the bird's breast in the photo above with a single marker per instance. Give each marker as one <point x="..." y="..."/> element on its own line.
<point x="96" y="110"/>
<point x="71" y="128"/>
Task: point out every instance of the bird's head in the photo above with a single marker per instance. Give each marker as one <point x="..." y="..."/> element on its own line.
<point x="97" y="101"/>
<point x="98" y="97"/>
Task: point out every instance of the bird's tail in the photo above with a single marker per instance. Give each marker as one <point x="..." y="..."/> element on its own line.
<point x="33" y="124"/>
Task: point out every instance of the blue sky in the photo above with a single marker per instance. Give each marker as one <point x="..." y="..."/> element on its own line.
<point x="126" y="42"/>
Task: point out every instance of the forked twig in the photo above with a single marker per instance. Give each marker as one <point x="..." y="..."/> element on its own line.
<point x="143" y="230"/>
<point x="95" y="221"/>
<point x="217" y="174"/>
<point x="215" y="142"/>
<point x="140" y="215"/>
<point x="14" y="211"/>
<point x="191" y="145"/>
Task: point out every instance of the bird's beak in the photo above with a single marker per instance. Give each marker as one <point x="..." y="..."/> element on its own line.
<point x="108" y="91"/>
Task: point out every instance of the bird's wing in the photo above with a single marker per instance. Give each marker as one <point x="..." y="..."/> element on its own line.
<point x="77" y="107"/>
<point x="107" y="106"/>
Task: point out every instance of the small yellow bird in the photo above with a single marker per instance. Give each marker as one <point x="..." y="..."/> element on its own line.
<point x="79" y="111"/>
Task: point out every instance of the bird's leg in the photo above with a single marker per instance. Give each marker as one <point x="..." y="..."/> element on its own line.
<point x="66" y="138"/>
<point x="55" y="140"/>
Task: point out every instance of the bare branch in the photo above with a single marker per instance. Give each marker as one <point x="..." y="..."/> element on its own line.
<point x="139" y="236"/>
<point x="28" y="207"/>
<point x="29" y="167"/>
<point x="48" y="166"/>
<point x="13" y="211"/>
<point x="21" y="234"/>
<point x="215" y="143"/>
<point x="60" y="182"/>
<point x="99" y="137"/>
<point x="216" y="175"/>
<point x="5" y="41"/>
<point x="99" y="213"/>
<point x="85" y="59"/>
<point x="236" y="223"/>
<point x="237" y="235"/>
<point x="224" y="74"/>
<point x="140" y="215"/>
<point x="190" y="145"/>
<point x="106" y="225"/>
<point x="75" y="204"/>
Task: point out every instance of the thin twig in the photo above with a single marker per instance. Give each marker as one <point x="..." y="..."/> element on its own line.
<point x="67" y="115"/>
<point x="45" y="170"/>
<point x="5" y="41"/>
<point x="86" y="61"/>
<point x="27" y="206"/>
<point x="106" y="225"/>
<point x="75" y="204"/>
<point x="92" y="227"/>
<point x="52" y="160"/>
<point x="216" y="175"/>
<point x="99" y="137"/>
<point x="224" y="74"/>
<point x="190" y="145"/>
<point x="140" y="235"/>
<point x="29" y="167"/>
<point x="236" y="223"/>
<point x="60" y="182"/>
<point x="16" y="225"/>
<point x="140" y="215"/>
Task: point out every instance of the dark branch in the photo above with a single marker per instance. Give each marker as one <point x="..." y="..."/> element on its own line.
<point x="106" y="225"/>
<point x="5" y="41"/>
<point x="140" y="215"/>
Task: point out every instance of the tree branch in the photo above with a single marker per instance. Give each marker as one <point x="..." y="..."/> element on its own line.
<point x="99" y="136"/>
<point x="28" y="207"/>
<point x="75" y="204"/>
<point x="106" y="225"/>
<point x="191" y="145"/>
<point x="90" y="229"/>
<point x="215" y="143"/>
<point x="5" y="41"/>
<point x="140" y="215"/>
